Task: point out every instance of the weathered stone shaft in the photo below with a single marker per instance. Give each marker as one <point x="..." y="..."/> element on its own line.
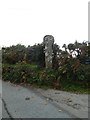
<point x="48" y="41"/>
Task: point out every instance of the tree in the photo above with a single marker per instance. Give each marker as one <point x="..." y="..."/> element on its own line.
<point x="13" y="54"/>
<point x="36" y="55"/>
<point x="64" y="46"/>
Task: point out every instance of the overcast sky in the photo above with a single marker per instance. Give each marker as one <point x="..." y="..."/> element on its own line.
<point x="28" y="21"/>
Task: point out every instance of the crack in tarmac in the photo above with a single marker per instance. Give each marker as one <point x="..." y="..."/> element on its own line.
<point x="5" y="106"/>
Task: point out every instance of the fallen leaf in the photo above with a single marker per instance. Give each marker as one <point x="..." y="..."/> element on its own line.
<point x="60" y="110"/>
<point x="47" y="99"/>
<point x="27" y="98"/>
<point x="57" y="93"/>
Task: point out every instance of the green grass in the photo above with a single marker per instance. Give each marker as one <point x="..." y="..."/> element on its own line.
<point x="74" y="87"/>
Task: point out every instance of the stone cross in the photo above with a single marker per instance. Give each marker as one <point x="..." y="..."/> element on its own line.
<point x="48" y="41"/>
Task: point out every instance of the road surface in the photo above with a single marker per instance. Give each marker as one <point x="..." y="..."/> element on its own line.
<point x="20" y="102"/>
<point x="0" y="99"/>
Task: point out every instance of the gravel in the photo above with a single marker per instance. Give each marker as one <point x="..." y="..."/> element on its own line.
<point x="77" y="104"/>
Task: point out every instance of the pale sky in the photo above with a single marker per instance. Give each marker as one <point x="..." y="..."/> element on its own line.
<point x="28" y="21"/>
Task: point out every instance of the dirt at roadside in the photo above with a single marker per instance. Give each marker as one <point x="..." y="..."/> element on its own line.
<point x="76" y="104"/>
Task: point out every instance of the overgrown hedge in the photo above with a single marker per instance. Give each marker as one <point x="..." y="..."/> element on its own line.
<point x="75" y="72"/>
<point x="27" y="73"/>
<point x="64" y="76"/>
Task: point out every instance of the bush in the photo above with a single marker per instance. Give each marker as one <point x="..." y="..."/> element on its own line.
<point x="27" y="73"/>
<point x="20" y="73"/>
<point x="67" y="75"/>
<point x="47" y="77"/>
<point x="75" y="72"/>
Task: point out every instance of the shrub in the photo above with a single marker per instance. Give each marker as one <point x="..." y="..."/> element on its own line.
<point x="47" y="77"/>
<point x="20" y="73"/>
<point x="65" y="76"/>
<point x="75" y="72"/>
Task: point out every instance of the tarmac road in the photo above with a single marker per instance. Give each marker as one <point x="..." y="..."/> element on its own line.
<point x="20" y="102"/>
<point x="0" y="99"/>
